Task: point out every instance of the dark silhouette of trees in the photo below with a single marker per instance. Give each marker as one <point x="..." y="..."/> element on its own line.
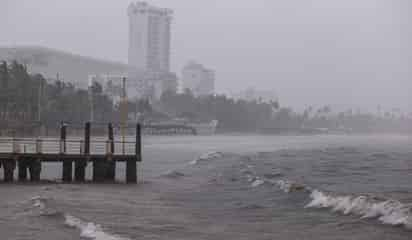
<point x="232" y="115"/>
<point x="25" y="97"/>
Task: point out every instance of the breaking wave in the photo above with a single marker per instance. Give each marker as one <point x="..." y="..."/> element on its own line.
<point x="206" y="157"/>
<point x="391" y="212"/>
<point x="289" y="186"/>
<point x="257" y="182"/>
<point x="88" y="230"/>
<point x="386" y="211"/>
<point x="173" y="174"/>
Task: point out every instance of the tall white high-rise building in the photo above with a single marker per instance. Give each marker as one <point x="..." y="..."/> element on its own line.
<point x="149" y="37"/>
<point x="149" y="51"/>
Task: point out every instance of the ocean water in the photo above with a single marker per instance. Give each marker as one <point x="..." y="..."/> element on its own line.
<point x="229" y="187"/>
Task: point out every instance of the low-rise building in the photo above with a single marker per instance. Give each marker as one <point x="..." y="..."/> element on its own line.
<point x="252" y="94"/>
<point x="198" y="79"/>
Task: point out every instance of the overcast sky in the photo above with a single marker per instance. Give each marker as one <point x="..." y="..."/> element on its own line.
<point x="311" y="52"/>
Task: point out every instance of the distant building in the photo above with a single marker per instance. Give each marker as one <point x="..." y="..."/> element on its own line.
<point x="198" y="79"/>
<point x="149" y="37"/>
<point x="149" y="50"/>
<point x="151" y="85"/>
<point x="111" y="85"/>
<point x="252" y="94"/>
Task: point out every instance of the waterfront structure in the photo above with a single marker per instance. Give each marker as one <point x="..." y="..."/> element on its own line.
<point x="198" y="79"/>
<point x="149" y="50"/>
<point x="29" y="153"/>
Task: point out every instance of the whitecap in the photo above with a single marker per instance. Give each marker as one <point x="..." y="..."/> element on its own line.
<point x="39" y="202"/>
<point x="390" y="212"/>
<point x="173" y="174"/>
<point x="206" y="157"/>
<point x="288" y="186"/>
<point x="90" y="230"/>
<point x="257" y="182"/>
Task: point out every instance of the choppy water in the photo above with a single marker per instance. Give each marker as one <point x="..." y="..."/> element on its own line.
<point x="315" y="187"/>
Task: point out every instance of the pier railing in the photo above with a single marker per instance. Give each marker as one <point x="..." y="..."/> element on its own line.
<point x="69" y="146"/>
<point x="28" y="153"/>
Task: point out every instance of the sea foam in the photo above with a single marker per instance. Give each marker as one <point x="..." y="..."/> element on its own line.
<point x="389" y="212"/>
<point x="206" y="157"/>
<point x="257" y="182"/>
<point x="386" y="211"/>
<point x="90" y="230"/>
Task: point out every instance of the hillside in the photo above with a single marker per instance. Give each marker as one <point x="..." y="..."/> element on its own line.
<point x="70" y="67"/>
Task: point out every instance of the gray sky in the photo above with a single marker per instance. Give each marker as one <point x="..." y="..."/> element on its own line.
<point x="339" y="52"/>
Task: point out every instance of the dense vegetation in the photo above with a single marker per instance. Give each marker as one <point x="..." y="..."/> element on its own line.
<point x="232" y="115"/>
<point x="26" y="97"/>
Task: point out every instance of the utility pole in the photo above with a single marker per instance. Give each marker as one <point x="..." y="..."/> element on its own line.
<point x="39" y="108"/>
<point x="123" y="113"/>
<point x="91" y="99"/>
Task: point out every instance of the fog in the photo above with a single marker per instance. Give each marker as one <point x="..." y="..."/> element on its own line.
<point x="344" y="53"/>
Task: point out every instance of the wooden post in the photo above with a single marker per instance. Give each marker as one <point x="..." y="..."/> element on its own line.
<point x="80" y="164"/>
<point x="9" y="165"/>
<point x="131" y="170"/>
<point x="35" y="169"/>
<point x="36" y="165"/>
<point x="99" y="168"/>
<point x="22" y="169"/>
<point x="67" y="163"/>
<point x="111" y="163"/>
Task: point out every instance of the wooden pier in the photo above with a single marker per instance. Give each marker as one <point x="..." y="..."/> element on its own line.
<point x="28" y="154"/>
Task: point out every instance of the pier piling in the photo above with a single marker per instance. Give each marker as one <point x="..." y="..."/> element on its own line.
<point x="99" y="169"/>
<point x="67" y="173"/>
<point x="9" y="165"/>
<point x="80" y="164"/>
<point x="131" y="163"/>
<point x="111" y="164"/>
<point x="35" y="169"/>
<point x="22" y="170"/>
